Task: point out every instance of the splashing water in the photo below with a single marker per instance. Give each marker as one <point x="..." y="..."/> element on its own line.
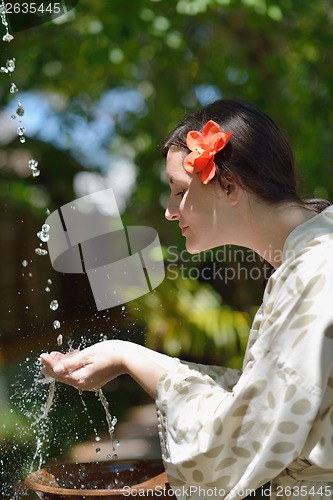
<point x="20" y="109"/>
<point x="33" y="164"/>
<point x="41" y="251"/>
<point x="7" y="36"/>
<point x="36" y="402"/>
<point x="20" y="131"/>
<point x="29" y="401"/>
<point x="13" y="88"/>
<point x="43" y="417"/>
<point x="43" y="236"/>
<point x="54" y="305"/>
<point x="85" y="408"/>
<point x="111" y="421"/>
<point x="9" y="68"/>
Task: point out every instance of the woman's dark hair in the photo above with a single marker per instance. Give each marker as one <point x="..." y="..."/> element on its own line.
<point x="258" y="156"/>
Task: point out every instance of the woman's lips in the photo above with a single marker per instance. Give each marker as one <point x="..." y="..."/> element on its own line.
<point x="183" y="229"/>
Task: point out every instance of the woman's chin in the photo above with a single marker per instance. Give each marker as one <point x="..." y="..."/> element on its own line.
<point x="192" y="249"/>
<point x="197" y="247"/>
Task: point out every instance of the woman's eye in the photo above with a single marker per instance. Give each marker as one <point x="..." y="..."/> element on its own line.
<point x="181" y="193"/>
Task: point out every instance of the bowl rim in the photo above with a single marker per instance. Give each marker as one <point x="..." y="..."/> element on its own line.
<point x="35" y="486"/>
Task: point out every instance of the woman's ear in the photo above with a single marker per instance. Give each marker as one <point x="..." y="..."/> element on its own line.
<point x="231" y="188"/>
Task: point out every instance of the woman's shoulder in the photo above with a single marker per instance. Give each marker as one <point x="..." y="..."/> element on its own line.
<point x="308" y="268"/>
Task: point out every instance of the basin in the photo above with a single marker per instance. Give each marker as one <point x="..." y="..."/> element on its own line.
<point x="113" y="480"/>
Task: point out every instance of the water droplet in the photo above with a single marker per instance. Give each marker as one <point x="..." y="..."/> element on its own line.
<point x="56" y="324"/>
<point x="41" y="251"/>
<point x="59" y="339"/>
<point x="22" y="139"/>
<point x="49" y="282"/>
<point x="10" y="65"/>
<point x="13" y="117"/>
<point x="43" y="236"/>
<point x="98" y="450"/>
<point x="47" y="289"/>
<point x="45" y="228"/>
<point x="24" y="263"/>
<point x="13" y="88"/>
<point x="7" y="37"/>
<point x="35" y="172"/>
<point x="97" y="438"/>
<point x="21" y="131"/>
<point x="54" y="305"/>
<point x="20" y="109"/>
<point x="33" y="164"/>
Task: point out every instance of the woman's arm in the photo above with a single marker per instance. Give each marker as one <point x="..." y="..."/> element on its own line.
<point x="96" y="365"/>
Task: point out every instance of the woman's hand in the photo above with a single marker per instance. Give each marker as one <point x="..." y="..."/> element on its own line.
<point x="88" y="369"/>
<point x="94" y="366"/>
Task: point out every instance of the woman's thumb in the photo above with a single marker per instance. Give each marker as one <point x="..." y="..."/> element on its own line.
<point x="69" y="362"/>
<point x="59" y="369"/>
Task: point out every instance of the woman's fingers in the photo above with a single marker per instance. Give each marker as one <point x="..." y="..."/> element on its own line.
<point x="60" y="363"/>
<point x="62" y="369"/>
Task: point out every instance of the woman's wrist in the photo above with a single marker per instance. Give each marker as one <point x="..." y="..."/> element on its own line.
<point x="118" y="353"/>
<point x="142" y="364"/>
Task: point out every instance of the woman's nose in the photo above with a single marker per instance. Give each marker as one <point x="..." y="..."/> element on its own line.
<point x="172" y="212"/>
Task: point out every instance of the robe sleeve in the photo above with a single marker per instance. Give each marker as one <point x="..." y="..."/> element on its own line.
<point x="238" y="437"/>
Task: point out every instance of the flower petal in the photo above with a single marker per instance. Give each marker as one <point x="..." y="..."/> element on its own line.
<point x="208" y="172"/>
<point x="193" y="138"/>
<point x="219" y="141"/>
<point x="196" y="161"/>
<point x="210" y="129"/>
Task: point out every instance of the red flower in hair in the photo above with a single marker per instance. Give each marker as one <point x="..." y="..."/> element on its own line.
<point x="204" y="146"/>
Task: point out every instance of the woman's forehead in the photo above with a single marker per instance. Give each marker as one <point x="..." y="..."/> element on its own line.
<point x="174" y="166"/>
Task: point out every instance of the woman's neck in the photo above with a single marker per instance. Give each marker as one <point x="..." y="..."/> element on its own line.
<point x="270" y="225"/>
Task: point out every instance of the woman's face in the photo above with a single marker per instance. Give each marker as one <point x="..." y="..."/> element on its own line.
<point x="200" y="210"/>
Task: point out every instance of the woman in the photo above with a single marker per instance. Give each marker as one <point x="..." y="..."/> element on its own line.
<point x="224" y="432"/>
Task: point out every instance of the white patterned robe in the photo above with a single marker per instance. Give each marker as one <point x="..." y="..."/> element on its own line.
<point x="225" y="432"/>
